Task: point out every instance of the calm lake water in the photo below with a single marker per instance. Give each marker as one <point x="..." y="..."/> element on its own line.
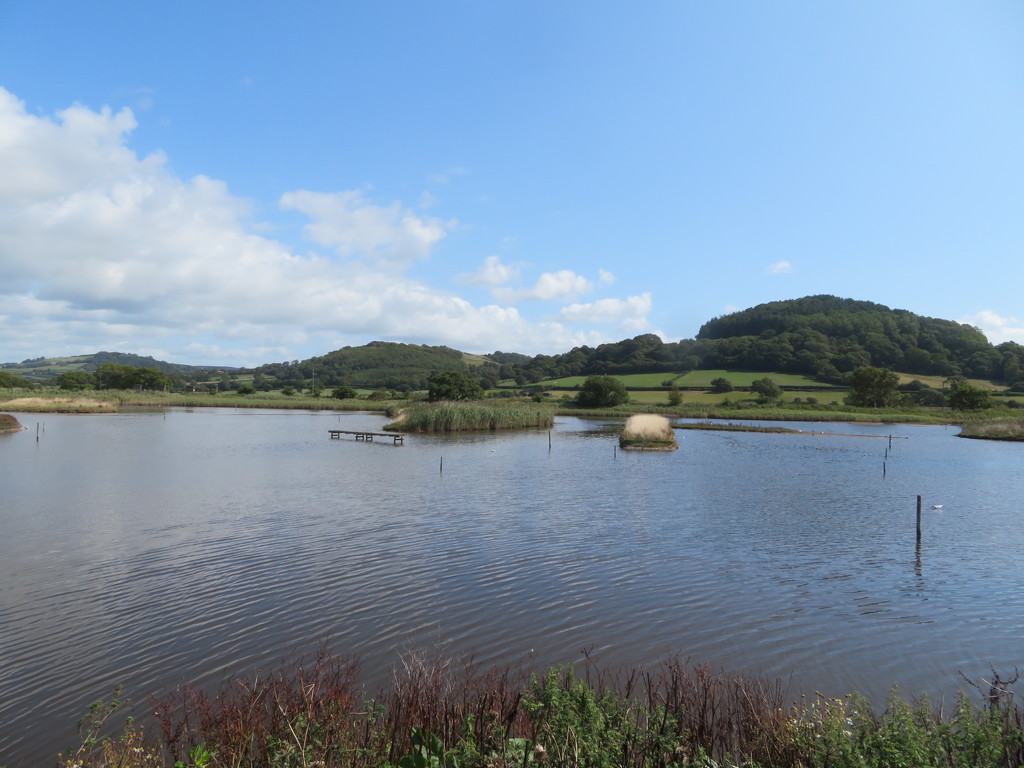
<point x="147" y="549"/>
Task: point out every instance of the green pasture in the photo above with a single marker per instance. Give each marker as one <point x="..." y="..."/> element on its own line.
<point x="694" y="379"/>
<point x="714" y="398"/>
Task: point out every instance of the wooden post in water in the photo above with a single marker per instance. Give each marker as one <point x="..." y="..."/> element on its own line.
<point x="918" y="520"/>
<point x="442" y="465"/>
<point x="549" y="439"/>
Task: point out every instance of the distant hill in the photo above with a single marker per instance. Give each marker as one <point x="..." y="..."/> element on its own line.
<point x="43" y="369"/>
<point x="827" y="336"/>
<point x="820" y="336"/>
<point x="379" y="364"/>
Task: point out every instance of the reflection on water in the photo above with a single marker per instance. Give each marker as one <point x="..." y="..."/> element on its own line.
<point x="149" y="548"/>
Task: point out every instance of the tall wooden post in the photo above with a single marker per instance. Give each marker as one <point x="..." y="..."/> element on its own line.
<point x="918" y="519"/>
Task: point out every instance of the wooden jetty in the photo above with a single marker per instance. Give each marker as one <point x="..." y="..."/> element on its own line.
<point x="367" y="436"/>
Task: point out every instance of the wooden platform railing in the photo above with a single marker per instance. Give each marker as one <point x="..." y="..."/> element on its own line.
<point x="367" y="436"/>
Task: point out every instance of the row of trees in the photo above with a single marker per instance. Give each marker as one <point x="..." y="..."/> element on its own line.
<point x="872" y="387"/>
<point x="115" y="376"/>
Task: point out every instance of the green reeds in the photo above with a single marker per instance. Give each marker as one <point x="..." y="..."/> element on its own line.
<point x="469" y="417"/>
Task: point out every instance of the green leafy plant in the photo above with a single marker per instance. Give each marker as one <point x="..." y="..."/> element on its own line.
<point x="429" y="752"/>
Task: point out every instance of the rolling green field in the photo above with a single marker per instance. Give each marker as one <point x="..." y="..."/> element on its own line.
<point x="694" y="379"/>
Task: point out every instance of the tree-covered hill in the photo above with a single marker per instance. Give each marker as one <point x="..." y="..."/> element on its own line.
<point x="821" y="336"/>
<point x="379" y="364"/>
<point x="44" y="369"/>
<point x="827" y="336"/>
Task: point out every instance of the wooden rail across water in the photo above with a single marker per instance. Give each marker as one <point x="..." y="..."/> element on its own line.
<point x="367" y="436"/>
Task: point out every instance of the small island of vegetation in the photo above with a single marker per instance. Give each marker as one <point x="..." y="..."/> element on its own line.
<point x="647" y="432"/>
<point x="448" y="416"/>
<point x="8" y="423"/>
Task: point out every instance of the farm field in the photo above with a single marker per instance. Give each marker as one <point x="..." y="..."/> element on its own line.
<point x="701" y="378"/>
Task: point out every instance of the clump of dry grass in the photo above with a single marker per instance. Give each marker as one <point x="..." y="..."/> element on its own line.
<point x="648" y="431"/>
<point x="8" y="423"/>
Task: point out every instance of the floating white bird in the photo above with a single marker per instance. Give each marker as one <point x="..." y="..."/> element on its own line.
<point x="936" y="506"/>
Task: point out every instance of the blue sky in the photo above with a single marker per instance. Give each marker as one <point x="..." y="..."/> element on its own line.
<point x="240" y="183"/>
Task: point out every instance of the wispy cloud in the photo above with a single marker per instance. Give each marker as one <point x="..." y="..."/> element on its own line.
<point x="491" y="272"/>
<point x="351" y="225"/>
<point x="780" y="268"/>
<point x="630" y="313"/>
<point x="997" y="328"/>
<point x="563" y="284"/>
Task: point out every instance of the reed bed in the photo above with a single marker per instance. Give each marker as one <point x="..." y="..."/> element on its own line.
<point x="1002" y="429"/>
<point x="453" y="713"/>
<point x="648" y="431"/>
<point x="469" y="417"/>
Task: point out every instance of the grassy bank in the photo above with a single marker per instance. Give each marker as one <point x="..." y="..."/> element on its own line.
<point x="105" y="401"/>
<point x="770" y="413"/>
<point x="465" y="417"/>
<point x="440" y="713"/>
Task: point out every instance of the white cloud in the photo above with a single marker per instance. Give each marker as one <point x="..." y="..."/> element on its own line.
<point x="491" y="272"/>
<point x="630" y="313"/>
<point x="605" y="276"/>
<point x="996" y="327"/>
<point x="348" y="223"/>
<point x="780" y="268"/>
<point x="563" y="284"/>
<point x="102" y="249"/>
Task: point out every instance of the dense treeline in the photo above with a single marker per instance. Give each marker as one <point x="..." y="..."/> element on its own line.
<point x="821" y="336"/>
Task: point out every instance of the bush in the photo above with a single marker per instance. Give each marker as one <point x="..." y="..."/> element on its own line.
<point x="602" y="392"/>
<point x="721" y="385"/>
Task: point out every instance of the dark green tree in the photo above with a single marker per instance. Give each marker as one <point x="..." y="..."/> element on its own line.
<point x="766" y="389"/>
<point x="10" y="380"/>
<point x="149" y="379"/>
<point x="968" y="398"/>
<point x="873" y="387"/>
<point x="675" y="396"/>
<point x="115" y="376"/>
<point x="344" y="393"/>
<point x="721" y="385"/>
<point x="453" y="385"/>
<point x="75" y="381"/>
<point x="602" y="392"/>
